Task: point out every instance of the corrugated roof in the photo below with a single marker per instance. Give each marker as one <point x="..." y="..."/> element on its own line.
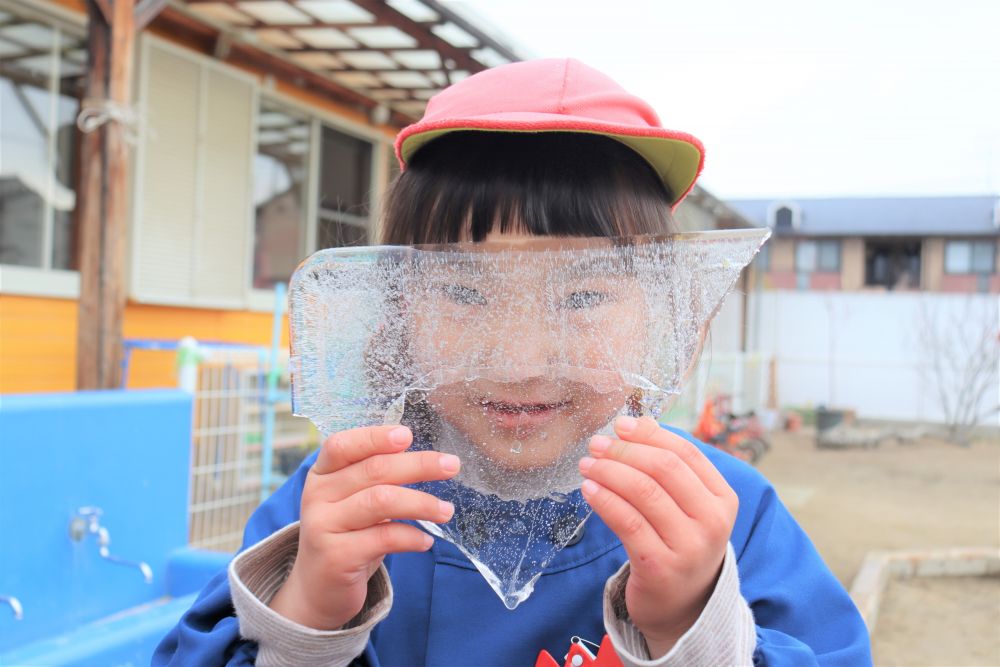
<point x="396" y="53"/>
<point x="883" y="216"/>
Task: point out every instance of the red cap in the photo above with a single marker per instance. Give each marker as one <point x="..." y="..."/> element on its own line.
<point x="557" y="96"/>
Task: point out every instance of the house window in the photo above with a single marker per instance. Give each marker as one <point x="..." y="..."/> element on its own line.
<point x="344" y="190"/>
<point x="289" y="144"/>
<point x="281" y="169"/>
<point x="783" y="219"/>
<point x="764" y="258"/>
<point x="817" y="256"/>
<point x="892" y="264"/>
<point x="970" y="256"/>
<point x="41" y="82"/>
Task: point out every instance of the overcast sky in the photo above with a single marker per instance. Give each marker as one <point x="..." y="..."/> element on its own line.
<point x="797" y="97"/>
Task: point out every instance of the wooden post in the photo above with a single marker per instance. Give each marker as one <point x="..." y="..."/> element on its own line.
<point x="90" y="204"/>
<point x="103" y="194"/>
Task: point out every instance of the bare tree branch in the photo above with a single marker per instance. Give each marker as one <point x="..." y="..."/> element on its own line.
<point x="963" y="355"/>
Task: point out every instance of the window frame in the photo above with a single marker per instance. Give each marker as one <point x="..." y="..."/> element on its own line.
<point x="797" y="263"/>
<point x="262" y="296"/>
<point x="263" y="299"/>
<point x="763" y="258"/>
<point x="340" y="217"/>
<point x="835" y="243"/>
<point x="772" y="215"/>
<point x="969" y="270"/>
<point x="819" y="243"/>
<point x="894" y="246"/>
<point x="45" y="281"/>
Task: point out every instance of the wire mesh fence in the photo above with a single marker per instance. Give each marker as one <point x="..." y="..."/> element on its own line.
<point x="228" y="440"/>
<point x="230" y="431"/>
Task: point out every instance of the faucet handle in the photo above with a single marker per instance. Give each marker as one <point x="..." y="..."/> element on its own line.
<point x="86" y="520"/>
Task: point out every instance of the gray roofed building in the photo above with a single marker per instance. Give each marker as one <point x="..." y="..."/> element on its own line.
<point x="882" y="216"/>
<point x="946" y="244"/>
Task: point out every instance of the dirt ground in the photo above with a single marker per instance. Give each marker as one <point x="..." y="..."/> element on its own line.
<point x="916" y="614"/>
<point x="920" y="495"/>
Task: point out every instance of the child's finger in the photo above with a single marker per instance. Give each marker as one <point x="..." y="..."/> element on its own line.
<point x="386" y="502"/>
<point x="669" y="471"/>
<point x="400" y="468"/>
<point x="642" y="493"/>
<point x="641" y="542"/>
<point x="369" y="545"/>
<point x="346" y="447"/>
<point x="646" y="431"/>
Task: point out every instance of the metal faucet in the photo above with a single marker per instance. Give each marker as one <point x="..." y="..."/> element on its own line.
<point x="15" y="604"/>
<point x="88" y="521"/>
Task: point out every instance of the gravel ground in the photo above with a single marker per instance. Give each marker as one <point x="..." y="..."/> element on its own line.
<point x="920" y="495"/>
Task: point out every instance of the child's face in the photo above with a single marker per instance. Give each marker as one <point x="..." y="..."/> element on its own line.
<point x="532" y="355"/>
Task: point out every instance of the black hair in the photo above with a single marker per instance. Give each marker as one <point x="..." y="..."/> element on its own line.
<point x="466" y="184"/>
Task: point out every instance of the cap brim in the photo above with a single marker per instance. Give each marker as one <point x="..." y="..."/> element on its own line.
<point x="676" y="156"/>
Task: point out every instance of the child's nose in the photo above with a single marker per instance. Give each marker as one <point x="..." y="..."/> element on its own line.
<point x="528" y="346"/>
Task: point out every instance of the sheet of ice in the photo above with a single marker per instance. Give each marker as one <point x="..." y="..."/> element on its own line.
<point x="510" y="355"/>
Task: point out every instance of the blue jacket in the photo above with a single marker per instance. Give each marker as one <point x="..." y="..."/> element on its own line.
<point x="444" y="613"/>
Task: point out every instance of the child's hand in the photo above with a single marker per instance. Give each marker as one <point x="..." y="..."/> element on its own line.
<point x="673" y="512"/>
<point x="351" y="501"/>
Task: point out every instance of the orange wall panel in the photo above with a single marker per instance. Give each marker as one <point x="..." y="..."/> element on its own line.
<point x="158" y="369"/>
<point x="37" y="344"/>
<point x="38" y="340"/>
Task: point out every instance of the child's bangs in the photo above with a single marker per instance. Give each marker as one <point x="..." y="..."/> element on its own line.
<point x="466" y="185"/>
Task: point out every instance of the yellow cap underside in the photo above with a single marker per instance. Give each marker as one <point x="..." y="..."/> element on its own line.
<point x="674" y="160"/>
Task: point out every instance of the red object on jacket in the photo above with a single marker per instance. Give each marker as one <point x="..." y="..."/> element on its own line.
<point x="579" y="656"/>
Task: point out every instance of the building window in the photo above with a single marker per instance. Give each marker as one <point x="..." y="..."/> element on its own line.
<point x="970" y="256"/>
<point x="288" y="145"/>
<point x="344" y="190"/>
<point x="281" y="169"/>
<point x="817" y="256"/>
<point x="892" y="264"/>
<point x="764" y="258"/>
<point x="41" y="82"/>
<point x="783" y="218"/>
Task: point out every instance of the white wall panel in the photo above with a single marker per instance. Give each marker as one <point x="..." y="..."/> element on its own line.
<point x="867" y="351"/>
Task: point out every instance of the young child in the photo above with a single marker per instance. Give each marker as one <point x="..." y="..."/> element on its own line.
<point x="689" y="558"/>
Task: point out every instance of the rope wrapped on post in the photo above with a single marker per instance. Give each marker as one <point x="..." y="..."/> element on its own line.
<point x="97" y="112"/>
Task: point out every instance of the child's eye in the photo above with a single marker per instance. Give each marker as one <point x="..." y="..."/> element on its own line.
<point x="466" y="296"/>
<point x="584" y="299"/>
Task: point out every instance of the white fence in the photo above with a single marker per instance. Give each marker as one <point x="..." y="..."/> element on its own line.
<point x="888" y="355"/>
<point x="906" y="356"/>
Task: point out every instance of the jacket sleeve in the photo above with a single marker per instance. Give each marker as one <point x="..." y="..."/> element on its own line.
<point x="209" y="632"/>
<point x="803" y="615"/>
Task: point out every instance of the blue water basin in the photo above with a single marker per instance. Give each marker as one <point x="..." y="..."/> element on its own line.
<point x="126" y="639"/>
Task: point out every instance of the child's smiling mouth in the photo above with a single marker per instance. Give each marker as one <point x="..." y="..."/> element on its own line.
<point x="522" y="414"/>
